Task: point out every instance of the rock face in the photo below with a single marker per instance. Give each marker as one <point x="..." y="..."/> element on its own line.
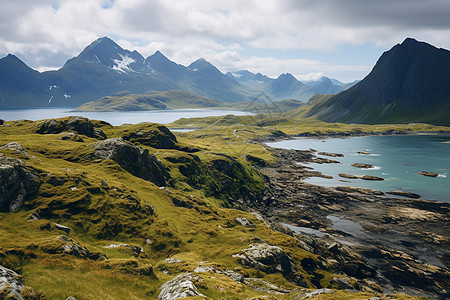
<point x="179" y="287"/>
<point x="79" y="125"/>
<point x="136" y="160"/>
<point x="11" y="284"/>
<point x="16" y="183"/>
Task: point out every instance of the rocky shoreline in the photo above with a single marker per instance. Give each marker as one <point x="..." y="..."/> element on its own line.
<point x="383" y="243"/>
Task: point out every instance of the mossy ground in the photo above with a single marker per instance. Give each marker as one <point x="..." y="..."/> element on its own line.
<point x="204" y="231"/>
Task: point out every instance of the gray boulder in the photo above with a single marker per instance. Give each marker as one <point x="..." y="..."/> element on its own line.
<point x="79" y="125"/>
<point x="136" y="160"/>
<point x="267" y="258"/>
<point x="179" y="287"/>
<point x="17" y="181"/>
<point x="11" y="284"/>
<point x="62" y="228"/>
<point x="15" y="146"/>
<point x="245" y="222"/>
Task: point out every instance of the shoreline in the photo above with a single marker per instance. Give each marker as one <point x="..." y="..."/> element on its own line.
<point x="314" y="135"/>
<point x="398" y="243"/>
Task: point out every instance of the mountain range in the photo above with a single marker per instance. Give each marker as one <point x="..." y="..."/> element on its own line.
<point x="286" y="86"/>
<point x="409" y="83"/>
<point x="104" y="68"/>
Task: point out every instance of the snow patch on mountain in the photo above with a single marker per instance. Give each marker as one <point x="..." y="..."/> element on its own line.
<point x="123" y="65"/>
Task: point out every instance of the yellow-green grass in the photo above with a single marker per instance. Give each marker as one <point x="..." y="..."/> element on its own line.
<point x="206" y="233"/>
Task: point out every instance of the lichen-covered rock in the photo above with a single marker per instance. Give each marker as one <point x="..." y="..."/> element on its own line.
<point x="65" y="245"/>
<point x="181" y="286"/>
<point x="315" y="293"/>
<point x="16" y="183"/>
<point x="79" y="125"/>
<point x="245" y="222"/>
<point x="11" y="284"/>
<point x="15" y="146"/>
<point x="269" y="259"/>
<point x="136" y="160"/>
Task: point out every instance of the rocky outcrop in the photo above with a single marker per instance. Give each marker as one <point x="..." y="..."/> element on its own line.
<point x="79" y="125"/>
<point x="269" y="259"/>
<point x="62" y="228"/>
<point x="405" y="194"/>
<point x="65" y="245"/>
<point x="428" y="174"/>
<point x="181" y="286"/>
<point x="159" y="137"/>
<point x="15" y="146"/>
<point x="371" y="177"/>
<point x="245" y="222"/>
<point x="17" y="182"/>
<point x="331" y="154"/>
<point x="136" y="160"/>
<point x="349" y="189"/>
<point x="362" y="166"/>
<point x="11" y="284"/>
<point x="348" y="176"/>
<point x="364" y="177"/>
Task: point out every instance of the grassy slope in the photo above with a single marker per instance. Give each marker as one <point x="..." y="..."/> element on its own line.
<point x="207" y="234"/>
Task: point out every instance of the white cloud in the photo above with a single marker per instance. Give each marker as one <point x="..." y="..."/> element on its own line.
<point x="310" y="76"/>
<point x="45" y="33"/>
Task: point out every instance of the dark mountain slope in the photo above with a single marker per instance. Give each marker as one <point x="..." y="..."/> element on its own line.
<point x="18" y="83"/>
<point x="409" y="83"/>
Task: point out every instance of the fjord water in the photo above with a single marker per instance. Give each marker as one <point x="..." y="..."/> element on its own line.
<point x="114" y="117"/>
<point x="397" y="159"/>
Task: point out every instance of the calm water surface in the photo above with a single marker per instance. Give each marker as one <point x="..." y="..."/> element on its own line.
<point x="114" y="118"/>
<point x="397" y="159"/>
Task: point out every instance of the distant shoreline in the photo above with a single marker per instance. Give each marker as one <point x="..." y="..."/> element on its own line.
<point x="315" y="135"/>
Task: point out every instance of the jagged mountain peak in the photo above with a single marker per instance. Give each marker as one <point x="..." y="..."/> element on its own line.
<point x="14" y="62"/>
<point x="158" y="56"/>
<point x="104" y="51"/>
<point x="201" y="63"/>
<point x="287" y="76"/>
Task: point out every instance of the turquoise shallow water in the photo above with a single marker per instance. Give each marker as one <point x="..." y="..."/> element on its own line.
<point x="397" y="159"/>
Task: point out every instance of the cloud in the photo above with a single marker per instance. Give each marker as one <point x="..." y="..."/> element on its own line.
<point x="45" y="33"/>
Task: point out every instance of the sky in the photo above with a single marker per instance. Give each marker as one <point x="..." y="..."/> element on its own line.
<point x="340" y="39"/>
